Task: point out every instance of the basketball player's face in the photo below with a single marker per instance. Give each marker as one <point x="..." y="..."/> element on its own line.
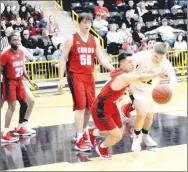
<point x="85" y="26"/>
<point x="15" y="41"/>
<point x="157" y="58"/>
<point x="128" y="65"/>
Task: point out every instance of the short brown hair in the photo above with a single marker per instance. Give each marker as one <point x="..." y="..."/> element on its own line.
<point x="87" y="16"/>
<point x="160" y="48"/>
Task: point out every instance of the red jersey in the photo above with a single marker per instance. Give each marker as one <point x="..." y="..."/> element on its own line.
<point x="82" y="55"/>
<point x="13" y="63"/>
<point x="107" y="93"/>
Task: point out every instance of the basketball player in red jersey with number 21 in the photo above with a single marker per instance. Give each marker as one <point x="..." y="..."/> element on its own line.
<point x="104" y="111"/>
<point x="79" y="53"/>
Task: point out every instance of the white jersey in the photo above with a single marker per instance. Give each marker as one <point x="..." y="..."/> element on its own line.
<point x="143" y="64"/>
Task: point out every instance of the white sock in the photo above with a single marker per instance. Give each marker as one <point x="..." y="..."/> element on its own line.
<point x="6" y="130"/>
<point x="102" y="145"/>
<point x="79" y="136"/>
<point x="19" y="125"/>
<point x="96" y="132"/>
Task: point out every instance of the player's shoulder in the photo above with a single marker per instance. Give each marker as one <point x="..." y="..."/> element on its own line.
<point x="5" y="52"/>
<point x="143" y="53"/>
<point x="166" y="62"/>
<point x="69" y="40"/>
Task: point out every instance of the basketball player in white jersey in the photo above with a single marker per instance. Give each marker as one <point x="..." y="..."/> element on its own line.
<point x="148" y="61"/>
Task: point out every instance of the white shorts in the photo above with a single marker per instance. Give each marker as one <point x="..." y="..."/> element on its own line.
<point x="144" y="94"/>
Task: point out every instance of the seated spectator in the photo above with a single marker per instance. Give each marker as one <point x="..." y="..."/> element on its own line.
<point x="32" y="27"/>
<point x="101" y="10"/>
<point x="23" y="12"/>
<point x="183" y="3"/>
<point x="3" y="28"/>
<point x="4" y="40"/>
<point x="138" y="36"/>
<point x="180" y="44"/>
<point x="150" y="44"/>
<point x="129" y="19"/>
<point x="45" y="43"/>
<point x="124" y="33"/>
<point x="100" y="25"/>
<point x="130" y="46"/>
<point x="8" y="15"/>
<point x="166" y="32"/>
<point x="51" y="25"/>
<point x="144" y="13"/>
<point x="57" y="39"/>
<point x="131" y="6"/>
<point x="112" y="36"/>
<point x="57" y="53"/>
<point x="30" y="44"/>
<point x="19" y="26"/>
<point x="38" y="16"/>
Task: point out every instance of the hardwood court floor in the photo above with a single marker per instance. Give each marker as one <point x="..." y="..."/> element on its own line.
<point x="52" y="149"/>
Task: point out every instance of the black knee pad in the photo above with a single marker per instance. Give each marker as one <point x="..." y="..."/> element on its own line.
<point x="23" y="104"/>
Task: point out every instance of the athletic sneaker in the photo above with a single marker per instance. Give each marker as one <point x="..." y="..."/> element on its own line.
<point x="103" y="152"/>
<point x="26" y="127"/>
<point x="21" y="132"/>
<point x="136" y="145"/>
<point x="91" y="137"/>
<point x="9" y="139"/>
<point x="85" y="137"/>
<point x="126" y="109"/>
<point x="83" y="156"/>
<point x="148" y="140"/>
<point x="82" y="146"/>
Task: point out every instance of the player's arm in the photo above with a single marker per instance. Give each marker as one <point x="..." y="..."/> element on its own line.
<point x="129" y="78"/>
<point x="170" y="74"/>
<point x="2" y="67"/>
<point x="62" y="63"/>
<point x="3" y="61"/>
<point x="100" y="57"/>
<point x="66" y="50"/>
<point x="27" y="77"/>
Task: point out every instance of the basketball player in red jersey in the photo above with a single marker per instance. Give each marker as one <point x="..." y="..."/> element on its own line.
<point x="79" y="52"/>
<point x="104" y="111"/>
<point x="13" y="69"/>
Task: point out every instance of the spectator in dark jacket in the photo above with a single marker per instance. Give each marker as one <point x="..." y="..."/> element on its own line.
<point x="23" y="12"/>
<point x="8" y="15"/>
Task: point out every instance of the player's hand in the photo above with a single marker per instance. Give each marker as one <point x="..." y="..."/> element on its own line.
<point x="163" y="74"/>
<point x="35" y="86"/>
<point x="61" y="84"/>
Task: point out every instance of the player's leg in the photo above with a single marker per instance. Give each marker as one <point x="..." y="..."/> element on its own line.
<point x="21" y="97"/>
<point x="79" y="99"/>
<point x="138" y="124"/>
<point x="150" y="107"/>
<point x="90" y="96"/>
<point x="108" y="124"/>
<point x="9" y="94"/>
<point x="30" y="104"/>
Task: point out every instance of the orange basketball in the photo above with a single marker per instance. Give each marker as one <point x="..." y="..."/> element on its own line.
<point x="162" y="94"/>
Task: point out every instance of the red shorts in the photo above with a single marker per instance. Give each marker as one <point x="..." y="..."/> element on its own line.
<point x="13" y="90"/>
<point x="106" y="116"/>
<point x="83" y="90"/>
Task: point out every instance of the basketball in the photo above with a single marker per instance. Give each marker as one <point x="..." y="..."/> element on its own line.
<point x="162" y="94"/>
